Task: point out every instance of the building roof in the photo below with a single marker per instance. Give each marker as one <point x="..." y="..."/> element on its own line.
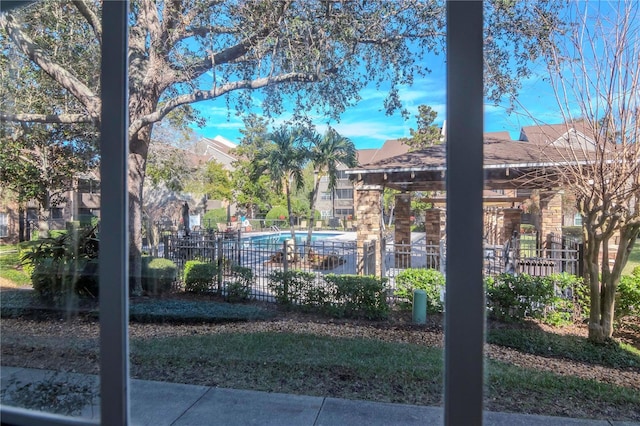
<point x="504" y="160"/>
<point x="390" y="148"/>
<point x="576" y="134"/>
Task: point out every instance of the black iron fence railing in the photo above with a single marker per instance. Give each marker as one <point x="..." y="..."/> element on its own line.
<point x="276" y="251"/>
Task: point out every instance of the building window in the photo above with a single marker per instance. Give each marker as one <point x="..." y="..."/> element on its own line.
<point x="87" y="186"/>
<point x="344" y="212"/>
<point x="325" y="214"/>
<point x="56" y="213"/>
<point x="325" y="196"/>
<point x="577" y="219"/>
<point x="344" y="194"/>
<point x="4" y="225"/>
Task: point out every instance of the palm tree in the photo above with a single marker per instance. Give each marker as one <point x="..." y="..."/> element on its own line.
<point x="327" y="153"/>
<point x="283" y="159"/>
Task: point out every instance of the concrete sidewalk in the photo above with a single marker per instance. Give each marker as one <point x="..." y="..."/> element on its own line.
<point x="161" y="403"/>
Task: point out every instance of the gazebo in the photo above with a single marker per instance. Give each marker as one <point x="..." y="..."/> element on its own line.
<point x="513" y="168"/>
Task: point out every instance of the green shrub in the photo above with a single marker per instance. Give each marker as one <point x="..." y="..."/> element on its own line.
<point x="429" y="280"/>
<point x="336" y="295"/>
<point x="291" y="287"/>
<point x="158" y="275"/>
<point x="59" y="283"/>
<point x="276" y="212"/>
<point x="26" y="255"/>
<point x="512" y="298"/>
<point x="54" y="233"/>
<point x="569" y="300"/>
<point x="64" y="267"/>
<point x="214" y="216"/>
<point x="357" y="295"/>
<point x="199" y="276"/>
<point x="238" y="287"/>
<point x="628" y="296"/>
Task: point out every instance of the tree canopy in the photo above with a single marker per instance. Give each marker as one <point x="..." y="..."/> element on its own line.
<point x="313" y="55"/>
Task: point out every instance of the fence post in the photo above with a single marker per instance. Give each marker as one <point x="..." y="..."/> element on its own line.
<point x="580" y="260"/>
<point x="220" y="264"/>
<point x="285" y="268"/>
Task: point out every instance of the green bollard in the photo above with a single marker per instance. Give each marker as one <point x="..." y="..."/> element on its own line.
<point x="419" y="307"/>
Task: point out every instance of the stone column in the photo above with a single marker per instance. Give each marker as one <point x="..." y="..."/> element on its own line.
<point x="550" y="216"/>
<point x="433" y="224"/>
<point x="434" y="229"/>
<point x="511" y="222"/>
<point x="368" y="208"/>
<point x="402" y="235"/>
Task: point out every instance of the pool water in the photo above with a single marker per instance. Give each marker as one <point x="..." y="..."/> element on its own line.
<point x="282" y="236"/>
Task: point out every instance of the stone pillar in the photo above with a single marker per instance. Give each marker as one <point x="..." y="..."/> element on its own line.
<point x="402" y="235"/>
<point x="434" y="229"/>
<point x="433" y="225"/>
<point x="511" y="222"/>
<point x="550" y="216"/>
<point x="368" y="208"/>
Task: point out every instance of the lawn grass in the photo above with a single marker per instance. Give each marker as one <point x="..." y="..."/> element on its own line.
<point x="10" y="265"/>
<point x="367" y="369"/>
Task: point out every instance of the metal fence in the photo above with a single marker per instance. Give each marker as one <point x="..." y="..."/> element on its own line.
<point x="522" y="254"/>
<point x="263" y="255"/>
<point x="419" y="254"/>
<point x="276" y="252"/>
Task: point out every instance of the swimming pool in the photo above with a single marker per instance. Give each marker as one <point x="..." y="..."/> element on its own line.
<point x="281" y="236"/>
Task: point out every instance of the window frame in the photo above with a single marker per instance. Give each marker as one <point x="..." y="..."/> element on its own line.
<point x="464" y="329"/>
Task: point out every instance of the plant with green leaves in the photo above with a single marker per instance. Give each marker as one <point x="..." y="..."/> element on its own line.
<point x="283" y="159"/>
<point x="199" y="276"/>
<point x="327" y="153"/>
<point x="313" y="55"/>
<point x="237" y="288"/>
<point x="158" y="275"/>
<point x="358" y="295"/>
<point x="65" y="266"/>
<point x="628" y="297"/>
<point x="291" y="287"/>
<point x="430" y="280"/>
<point x="516" y="297"/>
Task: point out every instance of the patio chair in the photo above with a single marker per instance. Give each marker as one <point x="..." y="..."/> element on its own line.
<point x="303" y="224"/>
<point x="318" y="224"/>
<point x="222" y="227"/>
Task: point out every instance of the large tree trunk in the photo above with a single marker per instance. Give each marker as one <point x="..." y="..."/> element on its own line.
<point x="603" y="280"/>
<point x="141" y="103"/>
<point x="138" y="149"/>
<point x="592" y="272"/>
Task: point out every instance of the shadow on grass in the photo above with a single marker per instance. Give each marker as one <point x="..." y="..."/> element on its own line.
<point x="576" y="348"/>
<point x="26" y="304"/>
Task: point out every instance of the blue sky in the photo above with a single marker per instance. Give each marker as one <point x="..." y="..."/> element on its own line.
<point x="368" y="125"/>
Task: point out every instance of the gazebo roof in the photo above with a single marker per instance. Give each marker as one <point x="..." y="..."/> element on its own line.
<point x="507" y="163"/>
